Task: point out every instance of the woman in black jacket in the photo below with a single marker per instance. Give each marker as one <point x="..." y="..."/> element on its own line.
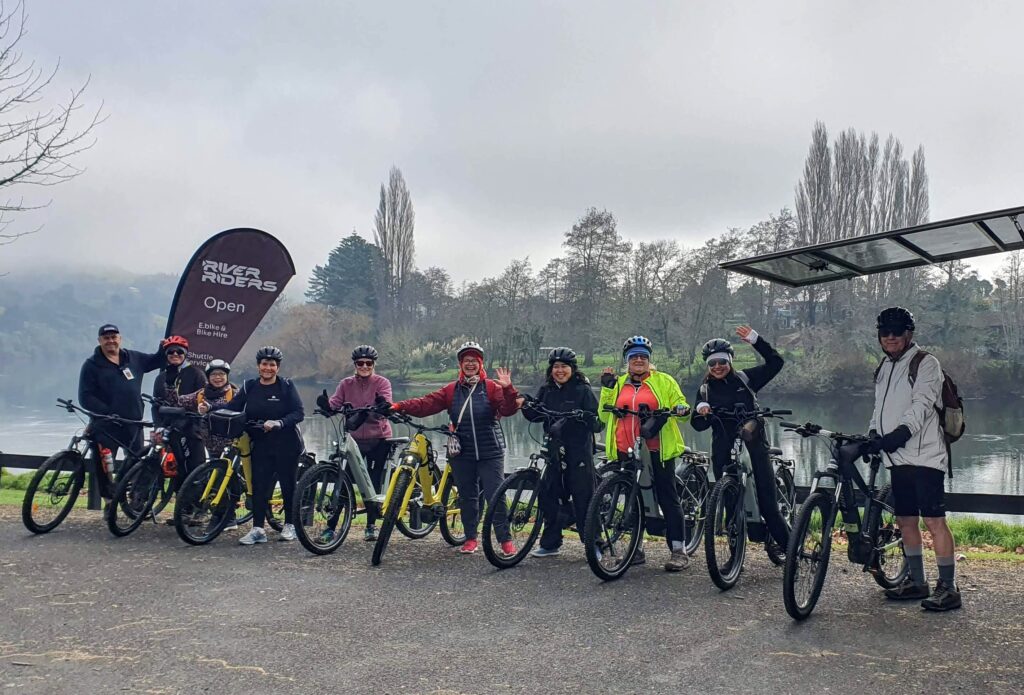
<point x="179" y="377"/>
<point x="566" y="389"/>
<point x="276" y="445"/>
<point x="724" y="387"/>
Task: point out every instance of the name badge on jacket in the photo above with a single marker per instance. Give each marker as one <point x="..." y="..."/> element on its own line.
<point x="128" y="373"/>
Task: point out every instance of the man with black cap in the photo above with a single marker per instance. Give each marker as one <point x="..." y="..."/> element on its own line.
<point x="110" y="383"/>
<point x="906" y="429"/>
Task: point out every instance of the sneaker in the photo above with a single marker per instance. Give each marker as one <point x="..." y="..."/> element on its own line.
<point x="907" y="591"/>
<point x="288" y="532"/>
<point x="541" y="551"/>
<point x="639" y="558"/>
<point x="370" y="534"/>
<point x="169" y="522"/>
<point x="468" y="547"/>
<point x="508" y="548"/>
<point x="256" y="535"/>
<point x="946" y="597"/>
<point x="678" y="562"/>
<point x="231" y="524"/>
<point x="327" y="536"/>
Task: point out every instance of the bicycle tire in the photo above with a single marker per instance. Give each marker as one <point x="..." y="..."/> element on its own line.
<point x="387" y="525"/>
<point x="164" y="496"/>
<point x="883" y="531"/>
<point x="730" y="525"/>
<point x="190" y="506"/>
<point x="785" y="491"/>
<point x="693" y="487"/>
<point x="134" y="496"/>
<point x="320" y="494"/>
<point x="414" y="527"/>
<point x="526" y="519"/>
<point x="813" y="546"/>
<point x="605" y="528"/>
<point x="63" y="491"/>
<point x="453" y="531"/>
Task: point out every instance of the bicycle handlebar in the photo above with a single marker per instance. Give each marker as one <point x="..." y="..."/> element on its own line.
<point x="622" y="412"/>
<point x="740" y="412"/>
<point x="580" y="415"/>
<point x="403" y="419"/>
<point x="68" y="405"/>
<point x="809" y="429"/>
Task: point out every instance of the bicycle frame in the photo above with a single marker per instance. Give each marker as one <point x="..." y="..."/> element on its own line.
<point x="416" y="458"/>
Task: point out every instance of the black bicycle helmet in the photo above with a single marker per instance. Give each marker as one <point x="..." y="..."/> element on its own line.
<point x="637" y="341"/>
<point x="896" y="317"/>
<point x="563" y="354"/>
<point x="717" y="345"/>
<point x="269" y="352"/>
<point x="364" y="352"/>
<point x="214" y="365"/>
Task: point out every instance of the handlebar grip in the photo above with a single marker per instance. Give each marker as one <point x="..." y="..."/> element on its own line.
<point x="608" y="408"/>
<point x="782" y="412"/>
<point x="789" y="425"/>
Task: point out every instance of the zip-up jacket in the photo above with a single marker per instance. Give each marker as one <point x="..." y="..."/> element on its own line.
<point x="362" y="392"/>
<point x="727" y="392"/>
<point x="669" y="395"/>
<point x="277" y="401"/>
<point x="115" y="389"/>
<point x="478" y="431"/>
<point x="898" y="403"/>
<point x="172" y="382"/>
<point x="216" y="399"/>
<point x="575" y="394"/>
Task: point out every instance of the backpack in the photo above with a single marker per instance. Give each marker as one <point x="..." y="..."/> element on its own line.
<point x="951" y="408"/>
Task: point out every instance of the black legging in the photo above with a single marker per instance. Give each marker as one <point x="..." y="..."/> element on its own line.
<point x="273" y="459"/>
<point x="764" y="475"/>
<point x="376" y="462"/>
<point x="577" y="482"/>
<point x="664" y="474"/>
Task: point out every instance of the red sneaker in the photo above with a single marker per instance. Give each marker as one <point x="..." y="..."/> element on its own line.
<point x="508" y="548"/>
<point x="468" y="547"/>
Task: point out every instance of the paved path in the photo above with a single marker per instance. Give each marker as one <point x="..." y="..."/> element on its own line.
<point x="87" y="613"/>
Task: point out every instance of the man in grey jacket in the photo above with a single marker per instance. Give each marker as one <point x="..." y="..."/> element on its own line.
<point x="905" y="427"/>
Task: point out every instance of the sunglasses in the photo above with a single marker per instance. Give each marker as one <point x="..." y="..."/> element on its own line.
<point x="639" y="358"/>
<point x="364" y="363"/>
<point x="175" y="352"/>
<point x="890" y="332"/>
<point x="718" y="362"/>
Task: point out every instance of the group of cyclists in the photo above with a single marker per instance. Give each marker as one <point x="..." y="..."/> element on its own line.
<point x="904" y="429"/>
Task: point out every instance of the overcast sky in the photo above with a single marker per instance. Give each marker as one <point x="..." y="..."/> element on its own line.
<point x="507" y="119"/>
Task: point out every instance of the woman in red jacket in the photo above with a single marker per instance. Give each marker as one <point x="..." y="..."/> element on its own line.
<point x="474" y="404"/>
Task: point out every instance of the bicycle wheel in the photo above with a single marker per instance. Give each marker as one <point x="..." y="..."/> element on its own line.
<point x="452" y="529"/>
<point x="692" y="484"/>
<point x="614" y="526"/>
<point x="725" y="534"/>
<point x="52" y="492"/>
<point x="391" y="515"/>
<point x="520" y="491"/>
<point x="807" y="556"/>
<point x="785" y="496"/>
<point x="418" y="522"/>
<point x="324" y="504"/>
<point x="888" y="563"/>
<point x="196" y="518"/>
<point x="134" y="496"/>
<point x="164" y="495"/>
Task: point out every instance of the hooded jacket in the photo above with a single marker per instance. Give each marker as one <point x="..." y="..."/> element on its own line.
<point x="669" y="395"/>
<point x="898" y="403"/>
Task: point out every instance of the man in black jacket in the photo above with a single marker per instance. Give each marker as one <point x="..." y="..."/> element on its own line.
<point x="110" y="383"/>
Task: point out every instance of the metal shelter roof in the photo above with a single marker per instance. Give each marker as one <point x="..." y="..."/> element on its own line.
<point x="934" y="242"/>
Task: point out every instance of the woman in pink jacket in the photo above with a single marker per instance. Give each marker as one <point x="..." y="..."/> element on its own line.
<point x="361" y="390"/>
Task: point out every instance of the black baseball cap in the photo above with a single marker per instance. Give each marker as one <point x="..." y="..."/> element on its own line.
<point x="107" y="328"/>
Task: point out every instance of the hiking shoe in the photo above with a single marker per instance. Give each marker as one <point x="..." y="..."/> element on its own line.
<point x="541" y="551"/>
<point x="508" y="548"/>
<point x="946" y="597"/>
<point x="468" y="547"/>
<point x="678" y="562"/>
<point x="908" y="590"/>
<point x="327" y="536"/>
<point x="256" y="535"/>
<point x="370" y="534"/>
<point x="288" y="532"/>
<point x="638" y="557"/>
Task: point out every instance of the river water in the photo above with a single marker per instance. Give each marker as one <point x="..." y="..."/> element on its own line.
<point x="988" y="459"/>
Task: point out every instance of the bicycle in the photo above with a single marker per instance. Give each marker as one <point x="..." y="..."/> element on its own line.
<point x="874" y="539"/>
<point x="418" y="488"/>
<point x="525" y="519"/>
<point x="324" y="497"/>
<point x="55" y="487"/>
<point x="212" y="492"/>
<point x="624" y="506"/>
<point x="144" y="489"/>
<point x="733" y="508"/>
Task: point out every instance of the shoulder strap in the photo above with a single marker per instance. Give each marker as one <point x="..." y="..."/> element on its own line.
<point x="469" y="397"/>
<point x="915" y="364"/>
<point x="878" y="369"/>
<point x="743" y="377"/>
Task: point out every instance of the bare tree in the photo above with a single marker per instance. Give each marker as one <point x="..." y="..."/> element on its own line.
<point x="37" y="144"/>
<point x="393" y="233"/>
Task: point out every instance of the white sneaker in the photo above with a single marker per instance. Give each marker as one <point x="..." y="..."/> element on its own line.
<point x="288" y="532"/>
<point x="256" y="535"/>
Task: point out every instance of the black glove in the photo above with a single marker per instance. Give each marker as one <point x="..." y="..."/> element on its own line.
<point x="608" y="380"/>
<point x="652" y="425"/>
<point x="896" y="439"/>
<point x="323" y="402"/>
<point x="383" y="405"/>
